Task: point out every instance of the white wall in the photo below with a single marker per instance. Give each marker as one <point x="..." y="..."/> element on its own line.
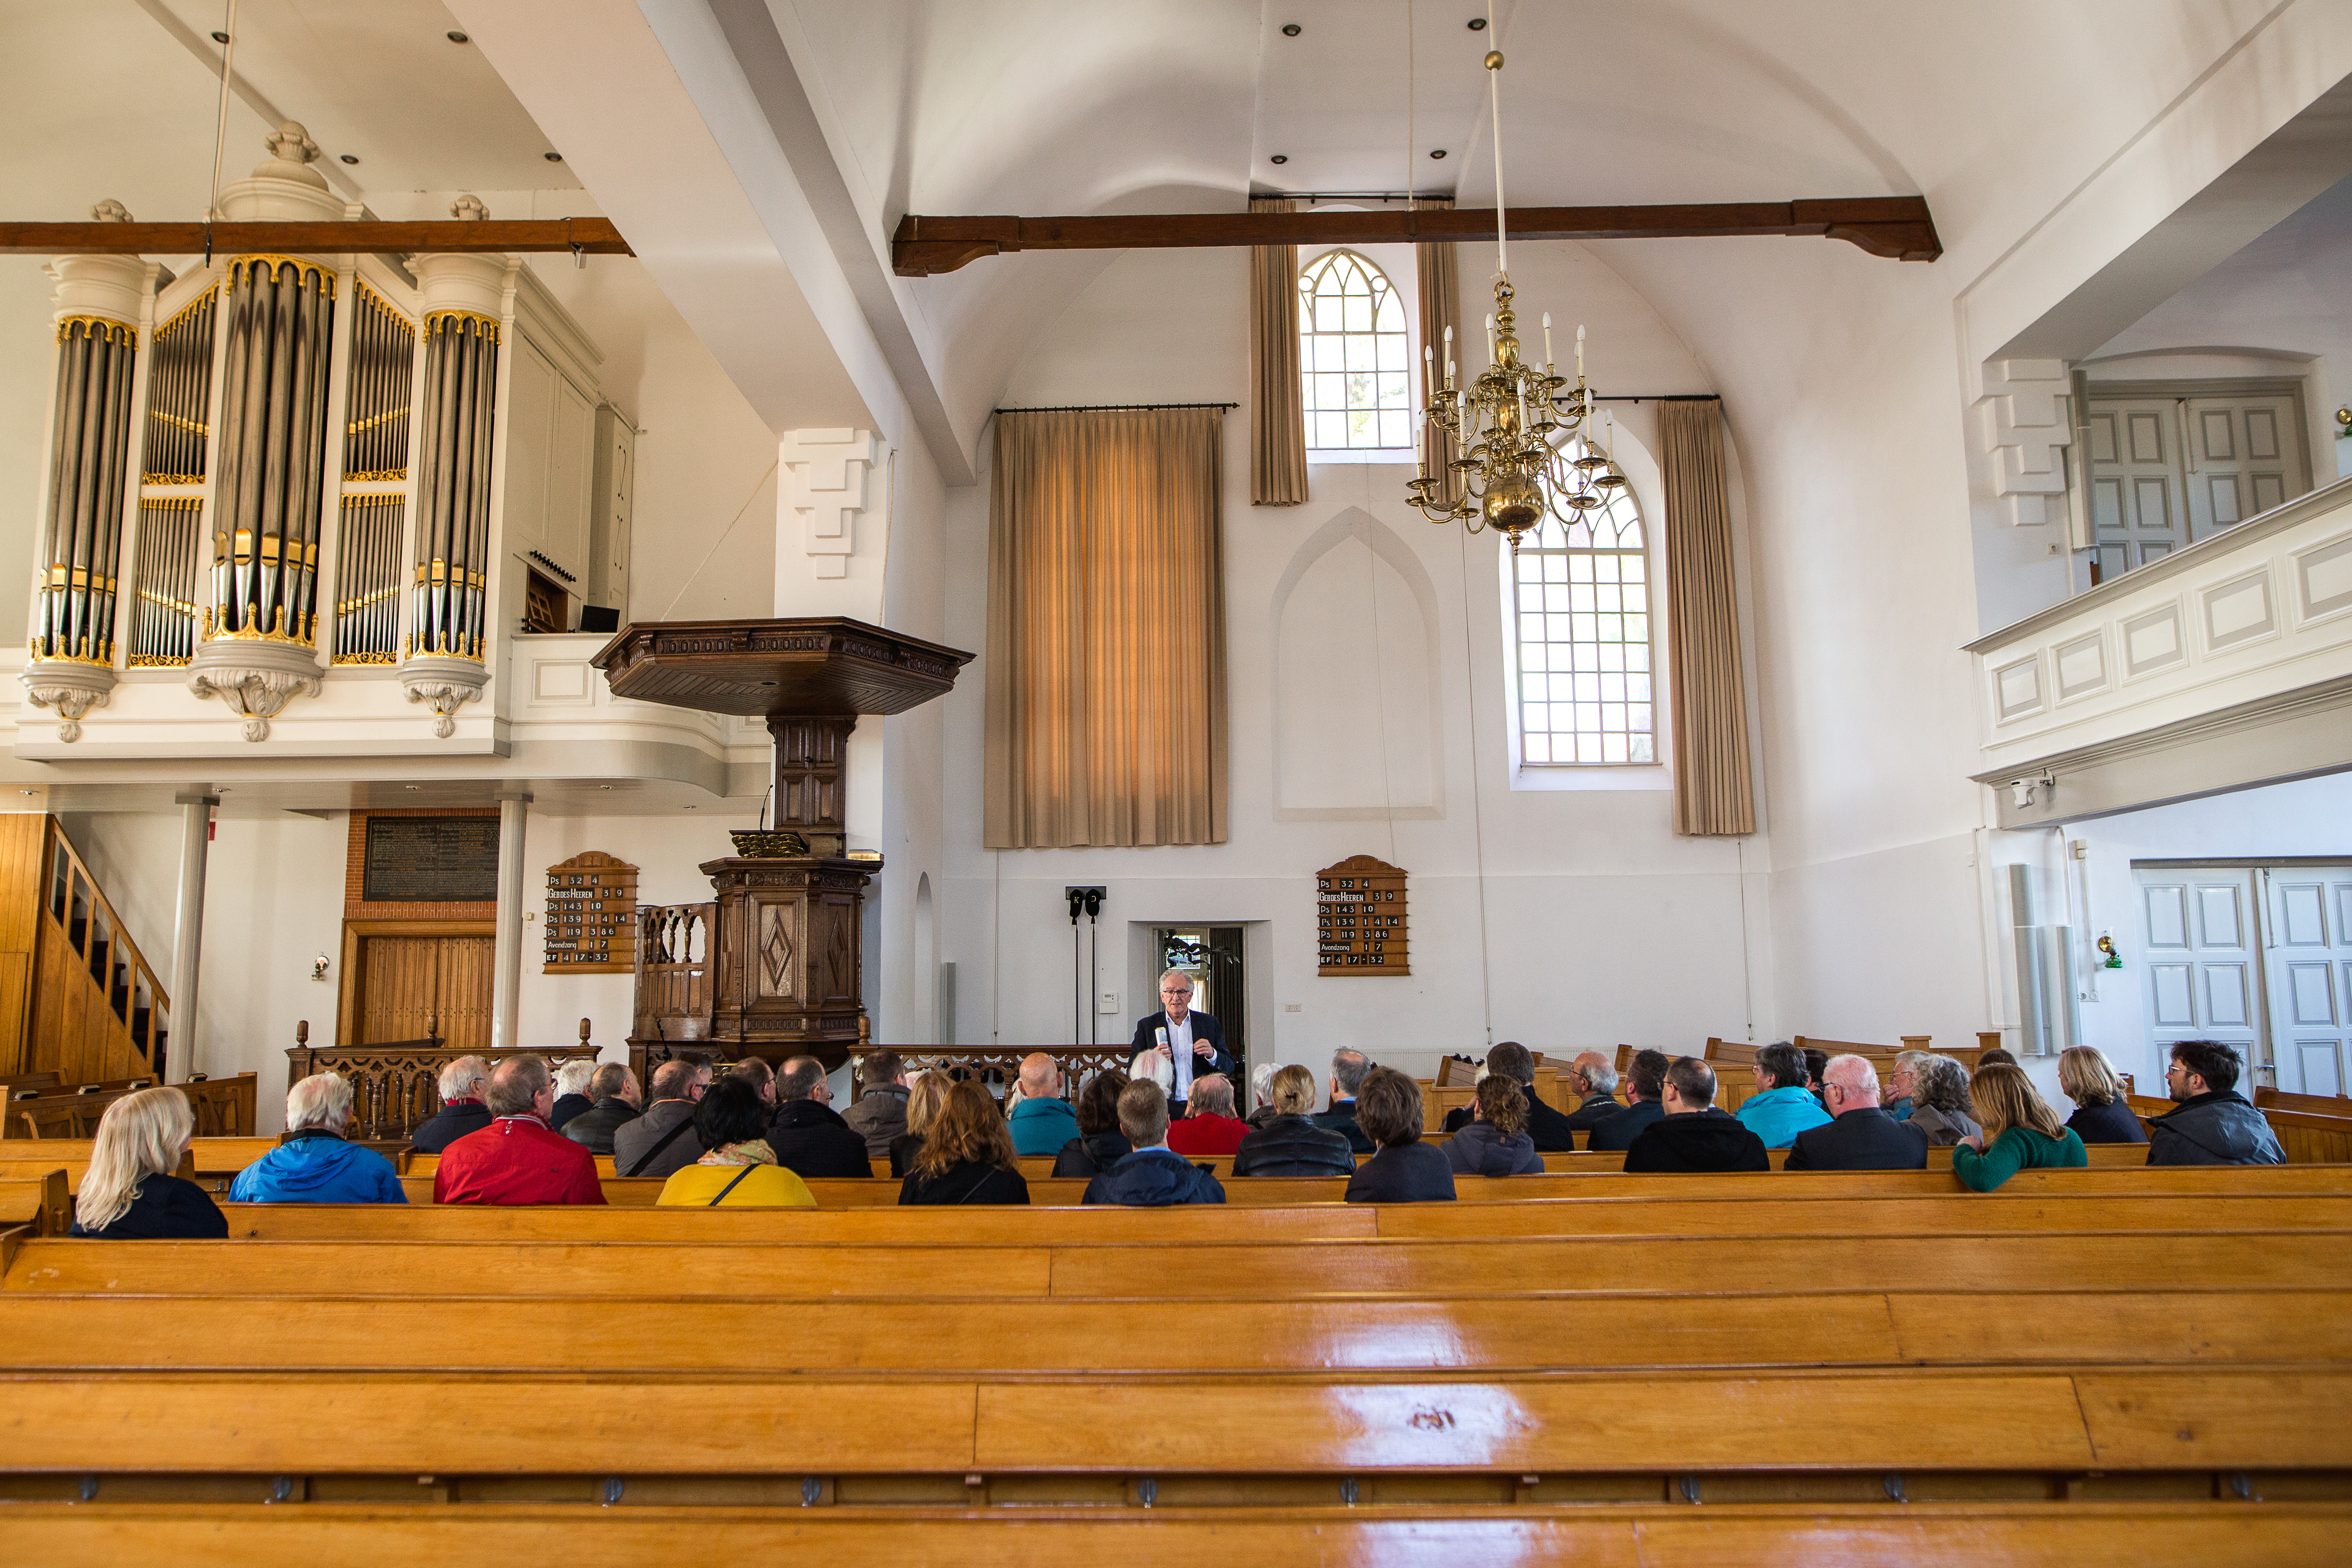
<point x="1600" y="925"/>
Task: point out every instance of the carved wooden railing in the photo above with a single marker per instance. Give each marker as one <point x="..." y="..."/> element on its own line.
<point x="223" y="1107"/>
<point x="676" y="975"/>
<point x="1078" y="1063"/>
<point x="396" y="1084"/>
<point x="119" y="1022"/>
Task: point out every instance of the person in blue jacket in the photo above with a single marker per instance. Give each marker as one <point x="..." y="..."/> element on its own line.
<point x="1154" y="1175"/>
<point x="315" y="1165"/>
<point x="1787" y="1106"/>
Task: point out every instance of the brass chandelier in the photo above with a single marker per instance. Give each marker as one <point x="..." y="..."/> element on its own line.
<point x="1513" y="424"/>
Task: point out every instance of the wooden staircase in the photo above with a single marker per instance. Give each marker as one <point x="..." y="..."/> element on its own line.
<point x="95" y="1010"/>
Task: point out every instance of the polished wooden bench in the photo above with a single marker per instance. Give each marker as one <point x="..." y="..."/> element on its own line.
<point x="40" y="1202"/>
<point x="15" y="1166"/>
<point x="1300" y="1268"/>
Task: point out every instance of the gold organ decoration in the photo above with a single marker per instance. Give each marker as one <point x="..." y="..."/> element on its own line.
<point x="591" y="916"/>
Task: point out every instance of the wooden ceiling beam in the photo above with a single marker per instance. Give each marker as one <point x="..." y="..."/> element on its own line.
<point x="590" y="236"/>
<point x="1896" y="228"/>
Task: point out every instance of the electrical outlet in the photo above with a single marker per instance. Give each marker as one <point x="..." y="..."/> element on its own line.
<point x="1107" y="1003"/>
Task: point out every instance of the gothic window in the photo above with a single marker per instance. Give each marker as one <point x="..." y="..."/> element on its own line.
<point x="1352" y="356"/>
<point x="1580" y="597"/>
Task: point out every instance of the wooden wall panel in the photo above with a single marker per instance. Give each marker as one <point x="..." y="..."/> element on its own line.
<point x="467" y="972"/>
<point x="24" y="837"/>
<point x="402" y="973"/>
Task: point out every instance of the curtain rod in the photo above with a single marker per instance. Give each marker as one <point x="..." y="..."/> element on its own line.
<point x="1112" y="407"/>
<point x="1658" y="397"/>
<point x="1356" y="195"/>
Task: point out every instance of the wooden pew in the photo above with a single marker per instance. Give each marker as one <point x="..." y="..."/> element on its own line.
<point x="21" y="1167"/>
<point x="40" y="1202"/>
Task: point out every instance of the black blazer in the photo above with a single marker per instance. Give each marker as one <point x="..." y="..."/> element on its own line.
<point x="1554" y="1133"/>
<point x="1204" y="1028"/>
<point x="1416" y="1173"/>
<point x="1862" y="1139"/>
<point x="1619" y="1131"/>
<point x="967" y="1182"/>
<point x="168" y="1208"/>
<point x="813" y="1140"/>
<point x="1708" y="1140"/>
<point x="2114" y="1123"/>
<point x="1341" y="1119"/>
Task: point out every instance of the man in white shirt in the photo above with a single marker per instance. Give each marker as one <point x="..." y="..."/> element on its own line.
<point x="1184" y="1045"/>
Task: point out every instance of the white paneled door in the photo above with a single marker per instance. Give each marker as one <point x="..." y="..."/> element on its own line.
<point x="2203" y="959"/>
<point x="2173" y="465"/>
<point x="2308" y="955"/>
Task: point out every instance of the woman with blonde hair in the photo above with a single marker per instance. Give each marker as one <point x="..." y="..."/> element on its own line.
<point x="129" y="1192"/>
<point x="1289" y="1144"/>
<point x="967" y="1155"/>
<point x="1495" y="1142"/>
<point x="929" y="1093"/>
<point x="2103" y="1112"/>
<point x="2020" y="1131"/>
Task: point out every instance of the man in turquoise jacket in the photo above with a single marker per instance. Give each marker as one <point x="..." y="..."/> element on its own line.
<point x="315" y="1166"/>
<point x="1785" y="1107"/>
<point x="1041" y="1122"/>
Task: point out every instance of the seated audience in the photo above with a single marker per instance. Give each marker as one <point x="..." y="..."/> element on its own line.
<point x="924" y="1098"/>
<point x="1939" y="1105"/>
<point x="967" y="1155"/>
<point x="1859" y="1136"/>
<point x="1347" y="1070"/>
<point x="1100" y="1144"/>
<point x="618" y="1102"/>
<point x="1646" y="1080"/>
<point x="1553" y="1132"/>
<point x="462" y="1083"/>
<point x="1288" y="1142"/>
<point x="1785" y="1107"/>
<point x="1041" y="1119"/>
<point x="314" y="1164"/>
<point x="1406" y="1170"/>
<point x="755" y="1071"/>
<point x="808" y="1135"/>
<point x="1693" y="1135"/>
<point x="1154" y="1175"/>
<point x="1262" y="1107"/>
<point x="518" y="1158"/>
<point x="1208" y="1125"/>
<point x="1900" y="1093"/>
<point x="1592" y="1079"/>
<point x="664" y="1140"/>
<point x="880" y="1114"/>
<point x="2103" y="1112"/>
<point x="1996" y="1058"/>
<point x="2019" y="1131"/>
<point x="1816" y="1063"/>
<point x="737" y="1168"/>
<point x="1494" y="1142"/>
<point x="572" y="1096"/>
<point x="2211" y="1123"/>
<point x="128" y="1191"/>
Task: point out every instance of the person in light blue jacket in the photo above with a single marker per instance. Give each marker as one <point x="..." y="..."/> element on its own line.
<point x="315" y="1165"/>
<point x="1041" y="1119"/>
<point x="1785" y="1107"/>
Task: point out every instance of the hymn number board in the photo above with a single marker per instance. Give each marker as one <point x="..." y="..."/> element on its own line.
<point x="1360" y="918"/>
<point x="591" y="916"/>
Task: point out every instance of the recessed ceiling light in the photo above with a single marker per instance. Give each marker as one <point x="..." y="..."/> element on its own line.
<point x="1281" y="158"/>
<point x="220" y="37"/>
<point x="603" y="787"/>
<point x="412" y="786"/>
<point x="1477" y="23"/>
<point x="1291" y="29"/>
<point x="552" y="157"/>
<point x="348" y="159"/>
<point x="457" y="37"/>
<point x="690" y="808"/>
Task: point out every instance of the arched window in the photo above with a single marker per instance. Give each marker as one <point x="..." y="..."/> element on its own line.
<point x="1352" y="356"/>
<point x="1580" y="597"/>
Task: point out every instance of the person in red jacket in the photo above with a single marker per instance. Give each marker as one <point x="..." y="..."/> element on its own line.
<point x="1208" y="1125"/>
<point x="518" y="1158"/>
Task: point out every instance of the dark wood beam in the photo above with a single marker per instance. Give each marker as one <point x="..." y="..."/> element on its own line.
<point x="593" y="235"/>
<point x="1897" y="227"/>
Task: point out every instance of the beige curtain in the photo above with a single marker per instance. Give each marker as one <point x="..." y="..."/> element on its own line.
<point x="1277" y="407"/>
<point x="1712" y="793"/>
<point x="1441" y="307"/>
<point x="1106" y="630"/>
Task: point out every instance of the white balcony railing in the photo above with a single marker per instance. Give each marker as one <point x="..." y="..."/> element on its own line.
<point x="2250" y="630"/>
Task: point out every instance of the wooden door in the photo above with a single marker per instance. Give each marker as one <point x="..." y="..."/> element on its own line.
<point x="2309" y="958"/>
<point x="401" y="979"/>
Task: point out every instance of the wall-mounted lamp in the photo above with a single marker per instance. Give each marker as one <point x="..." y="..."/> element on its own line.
<point x="2343" y="424"/>
<point x="318" y="967"/>
<point x="2021" y="791"/>
<point x="2106" y="944"/>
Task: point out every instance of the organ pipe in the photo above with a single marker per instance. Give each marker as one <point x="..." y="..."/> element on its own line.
<point x="266" y="501"/>
<point x="90" y="449"/>
<point x="453" y="487"/>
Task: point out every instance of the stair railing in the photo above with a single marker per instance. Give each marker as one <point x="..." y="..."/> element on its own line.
<point x="135" y="998"/>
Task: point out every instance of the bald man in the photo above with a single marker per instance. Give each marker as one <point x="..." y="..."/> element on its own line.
<point x="1860" y="1135"/>
<point x="1042" y="1120"/>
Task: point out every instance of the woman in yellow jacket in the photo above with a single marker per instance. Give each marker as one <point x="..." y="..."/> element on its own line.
<point x="739" y="1170"/>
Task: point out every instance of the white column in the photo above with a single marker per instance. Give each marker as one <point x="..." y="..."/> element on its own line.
<point x="506" y="1000"/>
<point x="188" y="937"/>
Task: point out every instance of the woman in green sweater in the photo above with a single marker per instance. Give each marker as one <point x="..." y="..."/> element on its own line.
<point x="2021" y="1130"/>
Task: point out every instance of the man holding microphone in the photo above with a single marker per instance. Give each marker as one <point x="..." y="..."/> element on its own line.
<point x="1176" y="1045"/>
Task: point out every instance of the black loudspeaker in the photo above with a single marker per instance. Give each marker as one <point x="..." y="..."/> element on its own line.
<point x="598" y="618"/>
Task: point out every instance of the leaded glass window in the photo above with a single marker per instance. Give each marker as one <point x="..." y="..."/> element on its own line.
<point x="1581" y="599"/>
<point x="1352" y="356"/>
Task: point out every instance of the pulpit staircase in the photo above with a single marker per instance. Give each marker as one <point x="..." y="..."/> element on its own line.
<point x="92" y="1008"/>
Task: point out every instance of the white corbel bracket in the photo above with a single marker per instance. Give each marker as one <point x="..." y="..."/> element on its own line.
<point x="824" y="488"/>
<point x="2025" y="422"/>
<point x="445" y="685"/>
<point x="255" y="678"/>
<point x="70" y="687"/>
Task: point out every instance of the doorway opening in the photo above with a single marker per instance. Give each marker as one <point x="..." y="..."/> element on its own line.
<point x="2257" y="955"/>
<point x="1213" y="956"/>
<point x="2176" y="462"/>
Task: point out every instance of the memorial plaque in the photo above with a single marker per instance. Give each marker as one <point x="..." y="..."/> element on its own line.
<point x="591" y="916"/>
<point x="431" y="860"/>
<point x="1360" y="918"/>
